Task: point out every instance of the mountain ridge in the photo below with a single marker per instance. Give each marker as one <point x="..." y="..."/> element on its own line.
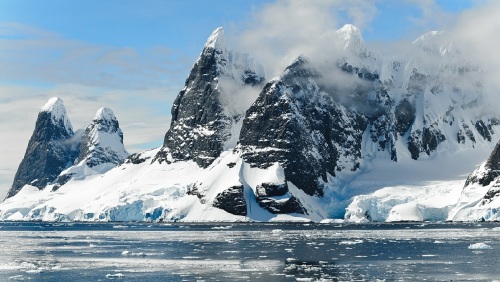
<point x="241" y="149"/>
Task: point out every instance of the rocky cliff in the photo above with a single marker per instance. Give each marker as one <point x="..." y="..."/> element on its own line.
<point x="51" y="148"/>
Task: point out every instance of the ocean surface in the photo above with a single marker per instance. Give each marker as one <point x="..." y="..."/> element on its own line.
<point x="40" y="251"/>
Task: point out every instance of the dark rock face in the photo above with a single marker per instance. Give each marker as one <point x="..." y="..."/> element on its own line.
<point x="488" y="174"/>
<point x="492" y="171"/>
<point x="405" y="115"/>
<point x="484" y="130"/>
<point x="197" y="116"/>
<point x="232" y="200"/>
<point x="425" y="140"/>
<point x="276" y="199"/>
<point x="136" y="158"/>
<point x="271" y="190"/>
<point x="290" y="205"/>
<point x="493" y="193"/>
<point x="199" y="125"/>
<point x="466" y="132"/>
<point x="61" y="180"/>
<point x="295" y="124"/>
<point x="493" y="161"/>
<point x="101" y="144"/>
<point x="49" y="152"/>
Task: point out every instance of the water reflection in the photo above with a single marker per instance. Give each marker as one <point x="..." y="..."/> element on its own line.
<point x="247" y="252"/>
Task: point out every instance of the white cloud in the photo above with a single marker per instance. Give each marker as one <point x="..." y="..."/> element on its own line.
<point x="475" y="33"/>
<point x="281" y="31"/>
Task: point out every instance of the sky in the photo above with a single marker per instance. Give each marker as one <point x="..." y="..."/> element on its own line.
<point x="134" y="56"/>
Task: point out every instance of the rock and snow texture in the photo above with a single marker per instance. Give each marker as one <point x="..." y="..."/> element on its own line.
<point x="296" y="124"/>
<point x="56" y="154"/>
<point x="50" y="148"/>
<point x="101" y="148"/>
<point x="205" y="114"/>
<point x="480" y="199"/>
<point x="296" y="147"/>
<point x="102" y="141"/>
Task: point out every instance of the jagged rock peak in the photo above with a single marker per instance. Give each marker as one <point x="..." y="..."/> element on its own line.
<point x="105" y="121"/>
<point x="55" y="107"/>
<point x="102" y="141"/>
<point x="100" y="149"/>
<point x="206" y="112"/>
<point x="216" y="40"/>
<point x="50" y="148"/>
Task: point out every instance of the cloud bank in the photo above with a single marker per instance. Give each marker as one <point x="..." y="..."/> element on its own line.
<point x="281" y="31"/>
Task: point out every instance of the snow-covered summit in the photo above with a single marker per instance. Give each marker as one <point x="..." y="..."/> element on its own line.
<point x="349" y="31"/>
<point x="100" y="149"/>
<point x="216" y="40"/>
<point x="102" y="141"/>
<point x="53" y="103"/>
<point x="207" y="113"/>
<point x="49" y="149"/>
<point x="56" y="108"/>
<point x="104" y="114"/>
<point x="352" y="39"/>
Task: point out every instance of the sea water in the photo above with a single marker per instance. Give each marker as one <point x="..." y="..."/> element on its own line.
<point x="39" y="251"/>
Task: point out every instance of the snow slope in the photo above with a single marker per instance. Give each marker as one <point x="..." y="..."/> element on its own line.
<point x="364" y="137"/>
<point x="479" y="198"/>
<point x="147" y="191"/>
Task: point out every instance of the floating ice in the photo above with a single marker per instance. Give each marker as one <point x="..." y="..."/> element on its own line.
<point x="479" y="246"/>
<point x="332" y="220"/>
<point x="353" y="242"/>
<point x="115" y="276"/>
<point x="128" y="253"/>
<point x="222" y="227"/>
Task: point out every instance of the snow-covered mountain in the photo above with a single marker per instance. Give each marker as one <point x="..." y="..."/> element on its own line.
<point x="479" y="200"/>
<point x="207" y="113"/>
<point x="306" y="145"/>
<point x="56" y="154"/>
<point x="50" y="148"/>
<point x="101" y="149"/>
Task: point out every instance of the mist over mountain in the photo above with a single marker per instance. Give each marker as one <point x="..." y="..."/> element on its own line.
<point x="245" y="144"/>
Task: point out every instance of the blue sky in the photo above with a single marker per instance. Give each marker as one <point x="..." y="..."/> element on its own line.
<point x="176" y="30"/>
<point x="180" y="24"/>
<point x="133" y="56"/>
